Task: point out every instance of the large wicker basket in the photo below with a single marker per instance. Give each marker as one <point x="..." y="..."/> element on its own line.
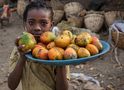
<point x="119" y="40"/>
<point x="116" y="31"/>
<point x="112" y="16"/>
<point x="93" y="21"/>
<point x="73" y="8"/>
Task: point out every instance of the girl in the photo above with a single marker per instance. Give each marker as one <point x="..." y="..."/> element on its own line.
<point x="37" y="18"/>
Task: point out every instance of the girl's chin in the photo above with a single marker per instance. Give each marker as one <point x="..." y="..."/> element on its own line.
<point x="36" y="35"/>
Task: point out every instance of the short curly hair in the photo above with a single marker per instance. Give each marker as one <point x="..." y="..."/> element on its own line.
<point x="37" y="4"/>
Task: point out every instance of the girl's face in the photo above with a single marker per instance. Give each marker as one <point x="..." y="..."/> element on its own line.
<point x="38" y="21"/>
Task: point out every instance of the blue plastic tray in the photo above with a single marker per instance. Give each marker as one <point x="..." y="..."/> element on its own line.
<point x="106" y="48"/>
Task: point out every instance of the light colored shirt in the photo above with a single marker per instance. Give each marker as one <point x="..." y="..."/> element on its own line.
<point x="36" y="76"/>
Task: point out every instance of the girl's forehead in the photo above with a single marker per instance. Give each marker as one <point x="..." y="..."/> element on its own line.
<point x="38" y="14"/>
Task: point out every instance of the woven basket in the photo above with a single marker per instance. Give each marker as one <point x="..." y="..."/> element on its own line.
<point x="94" y="21"/>
<point x="110" y="17"/>
<point x="120" y="41"/>
<point x="73" y="8"/>
<point x="116" y="33"/>
<point x="21" y="6"/>
<point x="58" y="14"/>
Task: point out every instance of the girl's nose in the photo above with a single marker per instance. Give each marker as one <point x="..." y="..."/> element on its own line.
<point x="37" y="27"/>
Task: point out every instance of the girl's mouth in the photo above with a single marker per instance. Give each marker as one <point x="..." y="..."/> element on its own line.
<point x="37" y="33"/>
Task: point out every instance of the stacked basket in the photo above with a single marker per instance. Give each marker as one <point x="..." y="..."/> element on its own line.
<point x="120" y="41"/>
<point x="74" y="13"/>
<point x="94" y="21"/>
<point x="111" y="16"/>
<point x="118" y="34"/>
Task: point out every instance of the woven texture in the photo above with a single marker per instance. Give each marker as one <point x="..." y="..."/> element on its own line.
<point x="111" y="16"/>
<point x="94" y="21"/>
<point x="73" y="8"/>
<point x="120" y="41"/>
<point x="83" y="2"/>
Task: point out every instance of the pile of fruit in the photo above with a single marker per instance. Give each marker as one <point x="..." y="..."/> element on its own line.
<point x="65" y="46"/>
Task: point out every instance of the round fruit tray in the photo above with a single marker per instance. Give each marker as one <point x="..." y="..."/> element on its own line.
<point x="106" y="48"/>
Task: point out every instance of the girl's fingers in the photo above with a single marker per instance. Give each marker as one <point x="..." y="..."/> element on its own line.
<point x="20" y="47"/>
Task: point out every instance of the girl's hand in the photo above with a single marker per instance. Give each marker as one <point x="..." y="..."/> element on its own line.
<point x="19" y="47"/>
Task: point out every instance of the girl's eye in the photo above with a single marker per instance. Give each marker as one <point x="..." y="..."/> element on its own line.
<point x="30" y="22"/>
<point x="44" y="23"/>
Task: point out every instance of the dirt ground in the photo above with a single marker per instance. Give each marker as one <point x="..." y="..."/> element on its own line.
<point x="105" y="69"/>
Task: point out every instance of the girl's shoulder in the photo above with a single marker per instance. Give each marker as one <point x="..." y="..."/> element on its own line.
<point x="14" y="57"/>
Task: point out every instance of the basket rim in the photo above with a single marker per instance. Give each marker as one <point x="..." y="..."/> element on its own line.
<point x="95" y="12"/>
<point x="72" y="3"/>
<point x="113" y="31"/>
<point x="68" y="5"/>
<point x="111" y="11"/>
<point x="96" y="15"/>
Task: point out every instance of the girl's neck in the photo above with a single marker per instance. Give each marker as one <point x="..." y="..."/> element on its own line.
<point x="37" y="39"/>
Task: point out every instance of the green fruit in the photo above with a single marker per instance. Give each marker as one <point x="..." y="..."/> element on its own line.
<point x="28" y="41"/>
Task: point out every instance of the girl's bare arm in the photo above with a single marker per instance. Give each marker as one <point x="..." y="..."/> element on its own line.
<point x="61" y="79"/>
<point x="16" y="74"/>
